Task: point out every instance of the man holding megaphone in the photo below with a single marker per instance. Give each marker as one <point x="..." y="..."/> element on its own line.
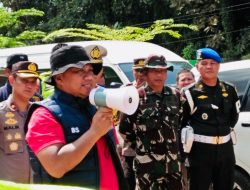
<point x="70" y="141"/>
<point x="153" y="128"/>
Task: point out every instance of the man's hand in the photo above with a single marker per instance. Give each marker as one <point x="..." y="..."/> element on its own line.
<point x="102" y="121"/>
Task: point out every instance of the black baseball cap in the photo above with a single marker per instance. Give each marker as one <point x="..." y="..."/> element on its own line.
<point x="14" y="58"/>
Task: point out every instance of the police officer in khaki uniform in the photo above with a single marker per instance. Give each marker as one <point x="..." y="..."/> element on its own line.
<point x="153" y="129"/>
<point x="138" y="72"/>
<point x="6" y="90"/>
<point x="211" y="110"/>
<point x="14" y="159"/>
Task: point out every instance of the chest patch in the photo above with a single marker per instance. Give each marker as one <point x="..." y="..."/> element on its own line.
<point x="202" y="97"/>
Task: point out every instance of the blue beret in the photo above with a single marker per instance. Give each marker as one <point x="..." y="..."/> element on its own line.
<point x="207" y="53"/>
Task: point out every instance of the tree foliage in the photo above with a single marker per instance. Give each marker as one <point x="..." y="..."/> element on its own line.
<point x="102" y="32"/>
<point x="12" y="30"/>
<point x="222" y="24"/>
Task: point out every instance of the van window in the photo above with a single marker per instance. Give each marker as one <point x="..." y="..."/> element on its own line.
<point x="238" y="77"/>
<point x="127" y="70"/>
<point x="171" y="75"/>
<point x="111" y="76"/>
<point x="171" y="78"/>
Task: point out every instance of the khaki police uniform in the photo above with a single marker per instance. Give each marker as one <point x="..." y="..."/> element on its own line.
<point x="14" y="158"/>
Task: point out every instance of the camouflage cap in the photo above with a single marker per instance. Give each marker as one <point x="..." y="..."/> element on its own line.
<point x="157" y="62"/>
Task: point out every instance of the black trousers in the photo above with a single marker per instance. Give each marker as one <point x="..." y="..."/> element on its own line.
<point x="212" y="164"/>
<point x="129" y="172"/>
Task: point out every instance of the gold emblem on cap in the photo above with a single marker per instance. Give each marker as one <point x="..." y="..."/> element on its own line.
<point x="13" y="146"/>
<point x="9" y="115"/>
<point x="95" y="53"/>
<point x="32" y="67"/>
<point x="10" y="121"/>
<point x="141" y="63"/>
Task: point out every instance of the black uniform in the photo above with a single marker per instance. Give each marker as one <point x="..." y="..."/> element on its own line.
<point x="211" y="112"/>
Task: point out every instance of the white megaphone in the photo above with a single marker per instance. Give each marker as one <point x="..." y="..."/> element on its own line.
<point x="124" y="99"/>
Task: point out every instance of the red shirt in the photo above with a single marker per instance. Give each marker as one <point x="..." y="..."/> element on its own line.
<point x="44" y="130"/>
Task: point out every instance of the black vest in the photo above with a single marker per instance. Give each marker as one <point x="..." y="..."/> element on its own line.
<point x="75" y="116"/>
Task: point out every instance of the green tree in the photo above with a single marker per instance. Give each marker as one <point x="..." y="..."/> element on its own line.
<point x="12" y="30"/>
<point x="102" y="32"/>
<point x="189" y="52"/>
<point x="223" y="24"/>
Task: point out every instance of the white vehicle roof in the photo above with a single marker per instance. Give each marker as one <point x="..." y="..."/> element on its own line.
<point x="118" y="52"/>
<point x="227" y="66"/>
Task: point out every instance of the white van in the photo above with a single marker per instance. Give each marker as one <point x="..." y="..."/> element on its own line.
<point x="117" y="64"/>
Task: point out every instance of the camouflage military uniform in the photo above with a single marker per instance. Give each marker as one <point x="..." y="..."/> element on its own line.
<point x="154" y="129"/>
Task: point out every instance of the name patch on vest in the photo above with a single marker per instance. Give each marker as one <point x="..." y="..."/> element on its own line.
<point x="75" y="130"/>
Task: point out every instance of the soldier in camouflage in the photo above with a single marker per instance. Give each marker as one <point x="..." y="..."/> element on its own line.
<point x="153" y="129"/>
